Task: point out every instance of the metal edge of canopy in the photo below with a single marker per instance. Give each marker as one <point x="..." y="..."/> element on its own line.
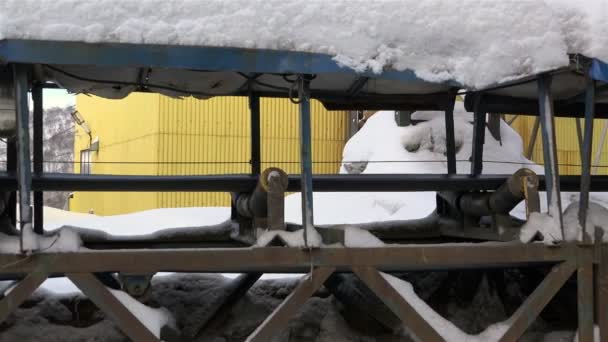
<point x="599" y="70"/>
<point x="185" y="57"/>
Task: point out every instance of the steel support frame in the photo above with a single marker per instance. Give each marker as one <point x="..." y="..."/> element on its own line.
<point x="479" y="130"/>
<point x="450" y="141"/>
<point x="547" y="123"/>
<point x="38" y="112"/>
<point x="256" y="147"/>
<point x="24" y="173"/>
<point x="303" y="83"/>
<point x="586" y="150"/>
<point x="364" y="262"/>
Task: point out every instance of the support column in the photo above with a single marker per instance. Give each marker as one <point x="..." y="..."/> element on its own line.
<point x="38" y="156"/>
<point x="479" y="130"/>
<point x="256" y="150"/>
<point x="547" y="123"/>
<point x="586" y="158"/>
<point x="585" y="298"/>
<point x="306" y="156"/>
<point x="449" y="137"/>
<point x="28" y="241"/>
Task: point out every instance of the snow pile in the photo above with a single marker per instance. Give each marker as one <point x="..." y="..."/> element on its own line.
<point x="543" y="224"/>
<point x="383" y="147"/>
<point x="470" y="38"/>
<point x="597" y="217"/>
<point x="140" y="223"/>
<point x="62" y="241"/>
<point x="153" y="319"/>
<point x="291" y="239"/>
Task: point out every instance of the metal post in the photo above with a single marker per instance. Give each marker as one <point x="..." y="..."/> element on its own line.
<point x="449" y="138"/>
<point x="306" y="156"/>
<point x="38" y="157"/>
<point x="533" y="135"/>
<point x="11" y="168"/>
<point x="256" y="151"/>
<point x="547" y="122"/>
<point x="479" y="131"/>
<point x="579" y="136"/>
<point x="586" y="157"/>
<point x="24" y="172"/>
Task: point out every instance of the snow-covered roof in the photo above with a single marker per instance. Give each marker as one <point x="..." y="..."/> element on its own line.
<point x="364" y="54"/>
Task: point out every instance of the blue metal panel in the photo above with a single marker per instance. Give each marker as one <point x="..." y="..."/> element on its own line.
<point x="182" y="57"/>
<point x="599" y="70"/>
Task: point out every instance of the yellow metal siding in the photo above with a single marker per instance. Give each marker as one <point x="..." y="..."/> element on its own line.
<point x="195" y="137"/>
<point x="127" y="131"/>
<point x="567" y="143"/>
<point x="215" y="135"/>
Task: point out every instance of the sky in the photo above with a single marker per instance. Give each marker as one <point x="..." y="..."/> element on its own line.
<point x="57" y="98"/>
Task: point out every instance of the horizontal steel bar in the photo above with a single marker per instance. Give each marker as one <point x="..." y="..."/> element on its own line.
<point x="293" y="260"/>
<point x="246" y="183"/>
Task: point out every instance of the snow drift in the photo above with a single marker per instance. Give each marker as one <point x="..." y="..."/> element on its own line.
<point x="473" y="42"/>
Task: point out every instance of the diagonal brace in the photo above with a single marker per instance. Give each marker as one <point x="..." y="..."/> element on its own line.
<point x="111" y="306"/>
<point x="536" y="302"/>
<point x="20" y="293"/>
<point x="399" y="305"/>
<point x="279" y="318"/>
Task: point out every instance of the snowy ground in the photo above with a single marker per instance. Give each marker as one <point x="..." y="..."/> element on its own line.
<point x="470" y="37"/>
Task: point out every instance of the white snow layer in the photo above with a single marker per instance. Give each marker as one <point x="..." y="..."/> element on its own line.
<point x="63" y="240"/>
<point x="473" y="42"/>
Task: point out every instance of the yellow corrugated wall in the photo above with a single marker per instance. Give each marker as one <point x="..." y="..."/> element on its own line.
<point x="567" y="143"/>
<point x="127" y="131"/>
<point x="216" y="132"/>
<point x="189" y="137"/>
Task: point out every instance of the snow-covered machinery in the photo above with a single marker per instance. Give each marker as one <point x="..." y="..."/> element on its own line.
<point x="464" y="202"/>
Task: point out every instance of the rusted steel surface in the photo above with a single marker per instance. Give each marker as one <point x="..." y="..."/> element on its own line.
<point x="526" y="314"/>
<point x="293" y="260"/>
<point x="398" y="304"/>
<point x="112" y="307"/>
<point x="585" y="297"/>
<point x="279" y="318"/>
<point x="20" y="293"/>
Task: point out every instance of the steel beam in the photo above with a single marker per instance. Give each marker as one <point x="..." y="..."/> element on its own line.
<point x="586" y="149"/>
<point x="533" y="135"/>
<point x="24" y="174"/>
<point x="292" y="259"/>
<point x="450" y="142"/>
<point x="398" y="304"/>
<point x="602" y="293"/>
<point x="38" y="157"/>
<point x="585" y="302"/>
<point x="20" y="293"/>
<point x="256" y="149"/>
<point x="306" y="156"/>
<point x="321" y="183"/>
<point x="479" y="132"/>
<point x="530" y="309"/>
<point x="112" y="307"/>
<point x="279" y="318"/>
<point x="547" y="122"/>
